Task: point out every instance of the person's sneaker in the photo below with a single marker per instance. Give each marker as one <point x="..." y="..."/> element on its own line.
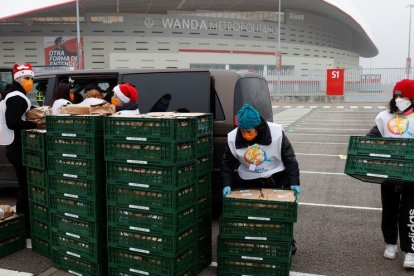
<point x="390" y="251"/>
<point x="409" y="260"/>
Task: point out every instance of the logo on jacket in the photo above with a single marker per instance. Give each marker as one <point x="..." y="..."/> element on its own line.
<point x="255" y="155"/>
<point x="398" y="125"/>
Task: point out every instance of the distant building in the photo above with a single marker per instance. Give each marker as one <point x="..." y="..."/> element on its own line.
<point x="314" y="34"/>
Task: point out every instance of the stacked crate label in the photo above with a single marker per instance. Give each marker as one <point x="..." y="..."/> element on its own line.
<point x="12" y="235"/>
<point x="256" y="232"/>
<point x="159" y="192"/>
<point x="381" y="160"/>
<point x="34" y="152"/>
<point x="76" y="175"/>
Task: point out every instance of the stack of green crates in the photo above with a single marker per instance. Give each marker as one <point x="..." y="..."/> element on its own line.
<point x="159" y="192"/>
<point x="34" y="158"/>
<point x="255" y="237"/>
<point x="380" y="160"/>
<point x="76" y="172"/>
<point x="12" y="235"/>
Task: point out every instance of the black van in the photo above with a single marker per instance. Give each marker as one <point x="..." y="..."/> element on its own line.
<point x="219" y="92"/>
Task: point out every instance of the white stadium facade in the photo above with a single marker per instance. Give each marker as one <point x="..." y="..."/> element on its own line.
<point x="227" y="34"/>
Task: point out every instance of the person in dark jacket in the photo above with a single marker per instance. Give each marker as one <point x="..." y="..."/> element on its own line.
<point x="13" y="110"/>
<point x="125" y="97"/>
<point x="263" y="155"/>
<point x="397" y="200"/>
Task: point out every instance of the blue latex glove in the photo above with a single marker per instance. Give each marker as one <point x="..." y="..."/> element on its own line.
<point x="295" y="189"/>
<point x="226" y="190"/>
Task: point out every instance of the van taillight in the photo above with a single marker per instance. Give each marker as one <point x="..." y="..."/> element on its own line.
<point x="235" y="123"/>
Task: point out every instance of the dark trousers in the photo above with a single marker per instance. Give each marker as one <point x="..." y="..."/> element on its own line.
<point x="14" y="155"/>
<point x="278" y="180"/>
<point x="398" y="216"/>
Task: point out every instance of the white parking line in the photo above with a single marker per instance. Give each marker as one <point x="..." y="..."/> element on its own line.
<point x="6" y="272"/>
<point x="330" y="128"/>
<point x="367" y="107"/>
<point x="326" y="173"/>
<point x="340" y="206"/>
<point x="340" y="106"/>
<point x="318" y="143"/>
<point x="322" y="134"/>
<point x="317" y="154"/>
<point x="292" y="273"/>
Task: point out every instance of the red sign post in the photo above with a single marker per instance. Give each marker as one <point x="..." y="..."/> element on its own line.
<point x="335" y="82"/>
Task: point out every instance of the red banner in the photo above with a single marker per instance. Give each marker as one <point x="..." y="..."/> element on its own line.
<point x="335" y="82"/>
<point x="61" y="51"/>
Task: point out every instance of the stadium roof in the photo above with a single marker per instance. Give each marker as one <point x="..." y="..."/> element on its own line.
<point x="338" y="9"/>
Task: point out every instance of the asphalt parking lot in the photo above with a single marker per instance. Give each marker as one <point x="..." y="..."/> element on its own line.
<point x="338" y="230"/>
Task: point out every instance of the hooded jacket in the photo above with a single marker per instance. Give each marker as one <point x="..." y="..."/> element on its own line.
<point x="291" y="173"/>
<point x="15" y="108"/>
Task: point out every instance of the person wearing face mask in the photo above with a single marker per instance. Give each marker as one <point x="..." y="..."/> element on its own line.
<point x="262" y="154"/>
<point x="397" y="201"/>
<point x="125" y="97"/>
<point x="13" y="110"/>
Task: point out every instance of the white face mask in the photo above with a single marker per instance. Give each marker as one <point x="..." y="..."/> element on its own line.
<point x="402" y="104"/>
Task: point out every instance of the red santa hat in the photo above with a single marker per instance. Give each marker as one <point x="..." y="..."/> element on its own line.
<point x="404" y="88"/>
<point x="22" y="70"/>
<point x="126" y="92"/>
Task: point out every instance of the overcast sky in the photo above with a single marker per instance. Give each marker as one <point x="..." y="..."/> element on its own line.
<point x="389" y="22"/>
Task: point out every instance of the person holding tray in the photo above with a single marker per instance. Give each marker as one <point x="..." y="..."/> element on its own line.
<point x="262" y="153"/>
<point x="397" y="200"/>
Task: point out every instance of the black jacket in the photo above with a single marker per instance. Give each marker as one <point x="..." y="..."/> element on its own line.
<point x="127" y="106"/>
<point x="374" y="132"/>
<point x="283" y="179"/>
<point x="15" y="108"/>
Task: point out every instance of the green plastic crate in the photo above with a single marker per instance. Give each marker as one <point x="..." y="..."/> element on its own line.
<point x="203" y="185"/>
<point x="395" y="148"/>
<point x="147" y="127"/>
<point x="115" y="270"/>
<point x="37" y="177"/>
<point x="256" y="230"/>
<point x="11" y="245"/>
<point x="150" y="152"/>
<point x="380" y="170"/>
<point x="152" y="264"/>
<point x="161" y="243"/>
<point x="75" y="168"/>
<point x="204" y="164"/>
<point x="73" y="147"/>
<point x="38" y="195"/>
<point x="81" y="186"/>
<point x="34" y="140"/>
<point x="204" y="204"/>
<point x="150" y="176"/>
<point x="34" y="159"/>
<point x="204" y="259"/>
<point x="40" y="229"/>
<point x="204" y="123"/>
<point x="151" y="221"/>
<point x="77" y="208"/>
<point x="78" y="248"/>
<point x="204" y="145"/>
<point x="39" y="212"/>
<point x="266" y="250"/>
<point x="229" y="266"/>
<point x="74" y="126"/>
<point x="156" y="199"/>
<point x="256" y="209"/>
<point x="76" y="266"/>
<point x="11" y="227"/>
<point x="41" y="246"/>
<point x="204" y="242"/>
<point x="204" y="224"/>
<point x="80" y="229"/>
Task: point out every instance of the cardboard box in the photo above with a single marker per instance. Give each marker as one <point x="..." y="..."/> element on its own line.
<point x="38" y="115"/>
<point x="76" y="109"/>
<point x="103" y="109"/>
<point x="279" y="195"/>
<point x="246" y="194"/>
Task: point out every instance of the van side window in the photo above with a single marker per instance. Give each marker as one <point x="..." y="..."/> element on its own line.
<point x="254" y="91"/>
<point x="187" y="90"/>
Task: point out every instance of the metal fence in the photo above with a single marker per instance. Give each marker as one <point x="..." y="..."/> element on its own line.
<point x="361" y="85"/>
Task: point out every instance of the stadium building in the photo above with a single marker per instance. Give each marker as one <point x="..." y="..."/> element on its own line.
<point x="227" y="34"/>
